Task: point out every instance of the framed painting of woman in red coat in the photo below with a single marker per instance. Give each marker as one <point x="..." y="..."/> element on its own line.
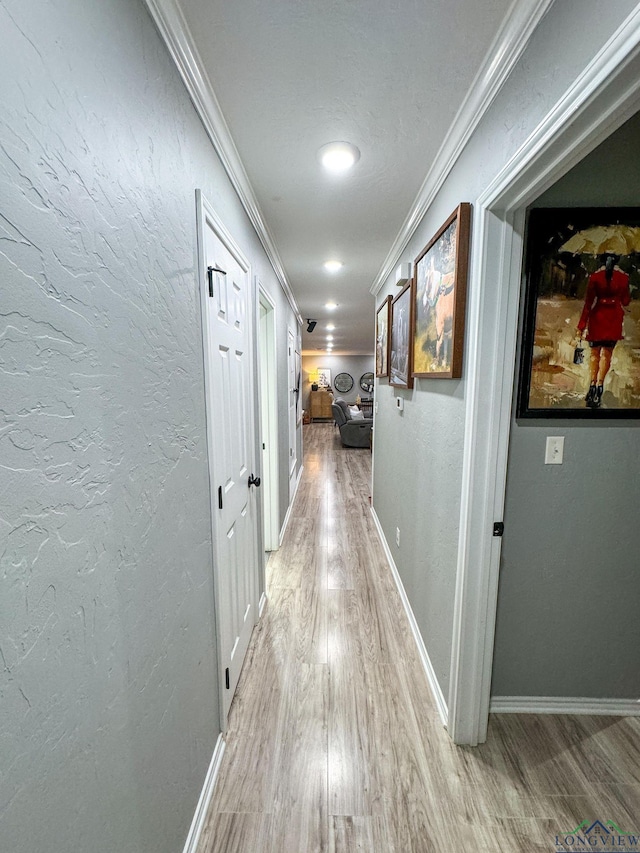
<point x="580" y="351"/>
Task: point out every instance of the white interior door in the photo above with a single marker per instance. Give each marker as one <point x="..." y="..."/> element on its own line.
<point x="231" y="429"/>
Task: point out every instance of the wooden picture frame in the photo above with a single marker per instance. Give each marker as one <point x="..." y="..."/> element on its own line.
<point x="400" y="339"/>
<point x="439" y="299"/>
<point x="581" y="323"/>
<point x="383" y="338"/>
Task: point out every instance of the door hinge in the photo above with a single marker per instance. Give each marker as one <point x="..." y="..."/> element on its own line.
<point x="210" y="272"/>
<point x="498" y="528"/>
<point x="226" y="677"/>
<point x="219" y="497"/>
<point x="264" y="446"/>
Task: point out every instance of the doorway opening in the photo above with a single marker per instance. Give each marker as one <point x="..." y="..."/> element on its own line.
<point x="294" y="393"/>
<point x="226" y="301"/>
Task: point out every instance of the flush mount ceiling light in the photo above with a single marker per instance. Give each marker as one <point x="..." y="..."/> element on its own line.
<point x="331" y="305"/>
<point x="333" y="266"/>
<point x="329" y="337"/>
<point x="338" y="157"/>
<point x="330" y="327"/>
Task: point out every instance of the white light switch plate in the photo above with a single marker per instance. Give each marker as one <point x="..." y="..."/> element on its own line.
<point x="555" y="450"/>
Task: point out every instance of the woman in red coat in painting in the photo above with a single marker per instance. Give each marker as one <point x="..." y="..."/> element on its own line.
<point x="602" y="315"/>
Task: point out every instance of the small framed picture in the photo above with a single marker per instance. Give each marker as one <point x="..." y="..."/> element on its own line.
<point x="580" y="350"/>
<point x="400" y="358"/>
<point x="324" y="377"/>
<point x="439" y="299"/>
<point x="383" y="339"/>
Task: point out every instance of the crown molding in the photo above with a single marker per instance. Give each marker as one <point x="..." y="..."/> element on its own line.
<point x="175" y="33"/>
<point x="621" y="49"/>
<point x="504" y="53"/>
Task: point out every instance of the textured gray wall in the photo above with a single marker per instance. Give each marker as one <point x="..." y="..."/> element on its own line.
<point x="108" y="679"/>
<point x="418" y="455"/>
<point x="569" y="585"/>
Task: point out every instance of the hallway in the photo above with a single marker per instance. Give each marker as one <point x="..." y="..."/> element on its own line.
<point x="334" y="742"/>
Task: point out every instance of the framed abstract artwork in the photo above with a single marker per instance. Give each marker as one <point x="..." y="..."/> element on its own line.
<point x="383" y="339"/>
<point x="580" y="346"/>
<point x="324" y="377"/>
<point x="439" y="299"/>
<point x="400" y="352"/>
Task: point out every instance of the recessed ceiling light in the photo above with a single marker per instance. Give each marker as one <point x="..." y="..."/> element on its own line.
<point x="333" y="266"/>
<point x="331" y="305"/>
<point x="338" y="157"/>
<point x="330" y="327"/>
<point x="329" y="337"/>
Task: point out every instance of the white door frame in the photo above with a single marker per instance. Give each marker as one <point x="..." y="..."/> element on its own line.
<point x="268" y="381"/>
<point x="205" y="213"/>
<point x="604" y="96"/>
<point x="292" y="461"/>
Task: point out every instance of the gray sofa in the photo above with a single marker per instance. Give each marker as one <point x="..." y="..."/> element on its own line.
<point x="352" y="433"/>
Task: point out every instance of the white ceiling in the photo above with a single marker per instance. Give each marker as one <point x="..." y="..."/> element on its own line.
<point x="388" y="76"/>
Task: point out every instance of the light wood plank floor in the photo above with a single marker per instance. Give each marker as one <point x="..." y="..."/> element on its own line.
<point x="334" y="742"/>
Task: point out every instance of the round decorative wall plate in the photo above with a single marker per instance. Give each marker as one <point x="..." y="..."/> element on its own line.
<point x="366" y="382"/>
<point x="343" y="382"/>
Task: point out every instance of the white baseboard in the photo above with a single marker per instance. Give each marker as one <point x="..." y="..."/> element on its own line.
<point x="290" y="508"/>
<point x="263" y="601"/>
<point x="417" y="636"/>
<point x="195" y="830"/>
<point x="564" y="705"/>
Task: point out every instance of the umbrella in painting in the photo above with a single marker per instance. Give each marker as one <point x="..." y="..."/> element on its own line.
<point x="616" y="239"/>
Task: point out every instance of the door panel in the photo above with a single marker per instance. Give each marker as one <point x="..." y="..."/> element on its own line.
<point x="230" y="425"/>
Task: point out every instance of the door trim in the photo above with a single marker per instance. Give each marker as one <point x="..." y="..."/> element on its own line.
<point x="600" y="100"/>
<point x="292" y="460"/>
<point x="206" y="214"/>
<point x="268" y="384"/>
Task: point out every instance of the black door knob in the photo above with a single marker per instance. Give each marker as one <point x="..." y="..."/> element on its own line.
<point x="254" y="481"/>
